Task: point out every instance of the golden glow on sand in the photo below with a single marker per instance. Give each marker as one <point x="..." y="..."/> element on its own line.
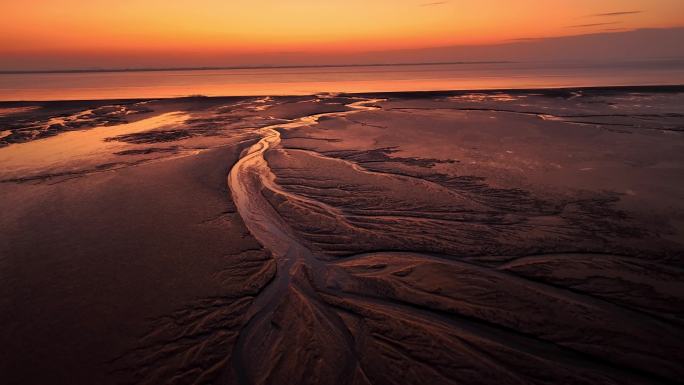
<point x="242" y="26"/>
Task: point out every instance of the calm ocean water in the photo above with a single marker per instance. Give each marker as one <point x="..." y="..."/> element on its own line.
<point x="298" y="81"/>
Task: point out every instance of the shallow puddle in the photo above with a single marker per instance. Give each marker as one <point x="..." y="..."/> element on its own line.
<point x="75" y="147"/>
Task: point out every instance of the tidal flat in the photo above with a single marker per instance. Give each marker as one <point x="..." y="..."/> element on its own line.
<point x="457" y="237"/>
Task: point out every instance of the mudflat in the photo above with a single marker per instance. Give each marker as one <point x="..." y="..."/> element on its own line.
<point x="497" y="237"/>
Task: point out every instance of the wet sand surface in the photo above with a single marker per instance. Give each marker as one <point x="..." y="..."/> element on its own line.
<point x="499" y="237"/>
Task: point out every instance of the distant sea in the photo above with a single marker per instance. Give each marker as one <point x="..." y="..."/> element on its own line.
<point x="101" y="84"/>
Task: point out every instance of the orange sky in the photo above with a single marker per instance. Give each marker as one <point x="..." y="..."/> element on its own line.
<point x="97" y="27"/>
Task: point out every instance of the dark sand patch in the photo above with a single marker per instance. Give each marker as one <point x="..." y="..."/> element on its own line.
<point x="85" y="272"/>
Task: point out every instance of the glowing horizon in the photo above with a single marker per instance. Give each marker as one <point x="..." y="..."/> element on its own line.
<point x="82" y="29"/>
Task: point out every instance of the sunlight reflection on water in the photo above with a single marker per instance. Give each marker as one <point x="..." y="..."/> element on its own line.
<point x="75" y="147"/>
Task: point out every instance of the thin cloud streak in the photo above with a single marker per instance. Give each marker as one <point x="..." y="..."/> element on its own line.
<point x="611" y="14"/>
<point x="433" y="4"/>
<point x="593" y="24"/>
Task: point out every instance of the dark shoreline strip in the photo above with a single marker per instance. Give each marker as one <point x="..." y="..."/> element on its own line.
<point x="551" y="91"/>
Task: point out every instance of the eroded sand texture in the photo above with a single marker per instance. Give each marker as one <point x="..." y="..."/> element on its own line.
<point x="443" y="238"/>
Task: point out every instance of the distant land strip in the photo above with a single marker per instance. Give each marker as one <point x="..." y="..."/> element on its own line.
<point x="161" y="69"/>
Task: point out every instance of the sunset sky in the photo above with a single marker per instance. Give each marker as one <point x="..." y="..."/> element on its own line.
<point x="70" y="32"/>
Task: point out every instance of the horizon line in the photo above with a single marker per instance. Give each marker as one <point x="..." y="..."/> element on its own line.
<point x="295" y="66"/>
<point x="246" y="67"/>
